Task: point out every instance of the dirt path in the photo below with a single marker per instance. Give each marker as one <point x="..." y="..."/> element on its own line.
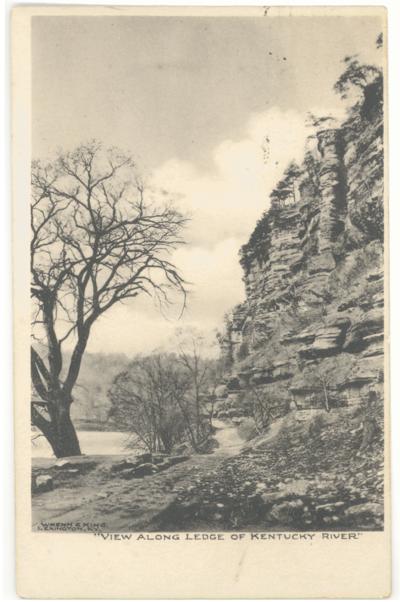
<point x="97" y="498"/>
<point x="227" y="436"/>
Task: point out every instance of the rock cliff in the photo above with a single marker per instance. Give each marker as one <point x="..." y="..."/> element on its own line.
<point x="310" y="333"/>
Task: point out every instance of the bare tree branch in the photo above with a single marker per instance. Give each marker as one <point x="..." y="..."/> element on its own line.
<point x="95" y="243"/>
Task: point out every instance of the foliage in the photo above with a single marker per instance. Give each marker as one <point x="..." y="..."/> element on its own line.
<point x="257" y="245"/>
<point x="312" y="167"/>
<point x="355" y="75"/>
<point x="366" y="83"/>
<point x="284" y="191"/>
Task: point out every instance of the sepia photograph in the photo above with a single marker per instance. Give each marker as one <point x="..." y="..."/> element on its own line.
<point x="207" y="275"/>
<point x="201" y="301"/>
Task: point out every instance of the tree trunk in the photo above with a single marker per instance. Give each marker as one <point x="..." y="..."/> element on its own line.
<point x="67" y="439"/>
<point x="59" y="430"/>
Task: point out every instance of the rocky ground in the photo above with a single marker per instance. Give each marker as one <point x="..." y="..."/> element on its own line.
<point x="119" y="493"/>
<point x="304" y="476"/>
<point x="298" y="476"/>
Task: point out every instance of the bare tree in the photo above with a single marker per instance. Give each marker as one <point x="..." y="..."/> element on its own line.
<point x="261" y="408"/>
<point x="168" y="398"/>
<point x="95" y="242"/>
<point x="326" y="375"/>
<point x="324" y="381"/>
<point x="146" y="400"/>
<point x="190" y="345"/>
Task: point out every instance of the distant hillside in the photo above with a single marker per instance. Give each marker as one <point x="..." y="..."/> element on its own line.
<point x="91" y="405"/>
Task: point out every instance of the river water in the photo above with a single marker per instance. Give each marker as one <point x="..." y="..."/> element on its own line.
<point x="91" y="442"/>
<point x="115" y="443"/>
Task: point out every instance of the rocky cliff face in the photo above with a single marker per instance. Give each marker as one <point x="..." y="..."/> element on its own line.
<point x="310" y="333"/>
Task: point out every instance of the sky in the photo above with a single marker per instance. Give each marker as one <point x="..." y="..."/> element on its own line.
<point x="192" y="99"/>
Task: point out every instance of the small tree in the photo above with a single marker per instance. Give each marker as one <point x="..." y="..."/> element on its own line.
<point x="367" y="82"/>
<point x="191" y="357"/>
<point x="146" y="400"/>
<point x="96" y="242"/>
<point x="325" y="376"/>
<point x="285" y="190"/>
<point x="260" y="408"/>
<point x="265" y="404"/>
<point x="167" y="398"/>
<point x="215" y="375"/>
<point x="356" y="75"/>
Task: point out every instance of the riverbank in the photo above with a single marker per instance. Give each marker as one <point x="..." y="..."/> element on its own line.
<point x="287" y="479"/>
<point x="96" y="490"/>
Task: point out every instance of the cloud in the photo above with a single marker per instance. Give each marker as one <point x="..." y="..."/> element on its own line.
<point x="224" y="204"/>
<point x="215" y="286"/>
<point x="215" y="276"/>
<point x="226" y="201"/>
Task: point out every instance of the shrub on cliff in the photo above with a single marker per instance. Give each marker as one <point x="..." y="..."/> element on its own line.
<point x="257" y="246"/>
<point x="366" y="81"/>
<point x="285" y="190"/>
<point x="364" y="84"/>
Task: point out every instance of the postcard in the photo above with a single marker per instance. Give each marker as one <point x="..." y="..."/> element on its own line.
<point x="200" y="291"/>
